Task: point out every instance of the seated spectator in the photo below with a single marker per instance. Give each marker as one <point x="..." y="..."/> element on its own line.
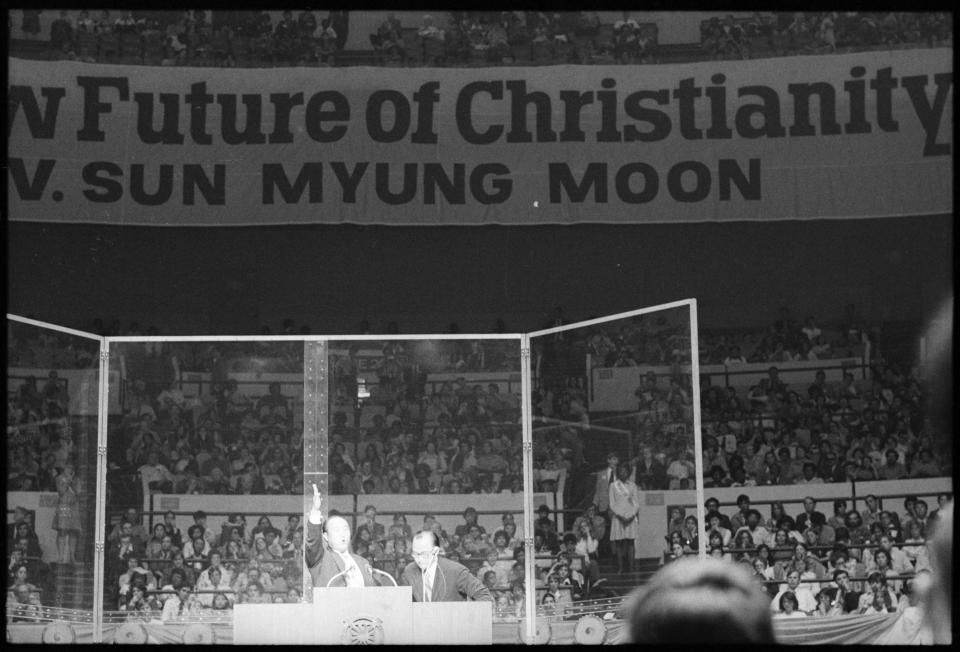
<point x="214" y="579"/>
<point x="23" y="605"/>
<point x="758" y="533"/>
<point x="879" y="598"/>
<point x="61" y="34"/>
<point x="139" y="606"/>
<point x="714" y="520"/>
<point x="183" y="604"/>
<point x="135" y="573"/>
<point x="156" y="477"/>
<point x="125" y="24"/>
<point x="789" y="606"/>
<point x="801" y="594"/>
<point x="892" y="469"/>
<point x="739" y="519"/>
<point x="20" y="577"/>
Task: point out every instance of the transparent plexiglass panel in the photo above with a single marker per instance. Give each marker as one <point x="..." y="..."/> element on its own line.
<point x="205" y="477"/>
<point x="51" y="451"/>
<point x="613" y="443"/>
<point x="426" y="434"/>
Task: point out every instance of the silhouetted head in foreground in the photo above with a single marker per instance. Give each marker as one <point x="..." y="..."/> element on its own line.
<point x="693" y="601"/>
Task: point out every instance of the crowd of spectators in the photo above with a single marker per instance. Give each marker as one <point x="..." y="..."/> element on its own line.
<point x="389" y="436"/>
<point x="173" y="575"/>
<point x="773" y="432"/>
<point x="511" y="37"/>
<point x="813" y="564"/>
<point x="875" y="429"/>
<point x="398" y="436"/>
<point x="169" y="574"/>
<point x="29" y="578"/>
<point x="254" y="38"/>
<point x="248" y="38"/>
<point x="785" y="33"/>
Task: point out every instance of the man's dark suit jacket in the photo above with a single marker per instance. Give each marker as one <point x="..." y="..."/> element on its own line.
<point x="851" y="600"/>
<point x="453" y="582"/>
<point x="324" y="562"/>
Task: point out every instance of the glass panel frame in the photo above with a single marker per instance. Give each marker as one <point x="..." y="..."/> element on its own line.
<point x="413" y="368"/>
<point x="66" y="415"/>
<point x="535" y="344"/>
<point x="315" y="421"/>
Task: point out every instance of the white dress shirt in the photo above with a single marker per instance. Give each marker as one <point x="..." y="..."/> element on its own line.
<point x="353" y="576"/>
<point x="429" y="580"/>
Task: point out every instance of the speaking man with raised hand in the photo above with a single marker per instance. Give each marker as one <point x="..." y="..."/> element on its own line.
<point x="328" y="554"/>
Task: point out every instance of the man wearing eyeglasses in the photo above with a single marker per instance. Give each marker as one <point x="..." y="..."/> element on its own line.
<point x="437" y="579"/>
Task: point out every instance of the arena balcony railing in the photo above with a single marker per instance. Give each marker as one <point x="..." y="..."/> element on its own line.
<point x="852" y="498"/>
<point x="356" y="514"/>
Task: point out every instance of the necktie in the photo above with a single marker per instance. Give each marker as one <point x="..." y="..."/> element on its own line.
<point x="427" y="588"/>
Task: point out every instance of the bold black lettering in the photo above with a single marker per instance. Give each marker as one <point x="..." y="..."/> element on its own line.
<point x="401" y="116"/>
<point x="856" y="89"/>
<point x="687" y="92"/>
<point x="769" y="110"/>
<point x="316" y="115"/>
<point x="701" y="188"/>
<point x="718" y="108"/>
<point x="464" y="112"/>
<point x="573" y="103"/>
<point x="930" y="115"/>
<point x="283" y="104"/>
<point x="112" y="189"/>
<point x="407" y="191"/>
<point x="519" y="100"/>
<point x="658" y="119"/>
<point x="31" y="189"/>
<point x="651" y="183"/>
<point x="561" y="178"/>
<point x="195" y="178"/>
<point x="826" y="98"/>
<point x="749" y="185"/>
<point x="883" y="84"/>
<point x="93" y="107"/>
<point x="500" y="188"/>
<point x="169" y="133"/>
<point x="349" y="180"/>
<point x="164" y="186"/>
<point x="251" y="134"/>
<point x="454" y="190"/>
<point x="274" y="176"/>
<point x="426" y="98"/>
<point x="608" y="112"/>
<point x="198" y="98"/>
<point x="40" y="127"/>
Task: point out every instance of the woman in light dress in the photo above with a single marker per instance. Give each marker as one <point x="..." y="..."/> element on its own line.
<point x="624" y="526"/>
<point x="66" y="520"/>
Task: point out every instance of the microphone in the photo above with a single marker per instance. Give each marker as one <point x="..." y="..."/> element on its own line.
<point x="386" y="574"/>
<point x="343" y="572"/>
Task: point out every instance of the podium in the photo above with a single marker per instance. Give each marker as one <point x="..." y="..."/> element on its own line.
<point x="372" y="615"/>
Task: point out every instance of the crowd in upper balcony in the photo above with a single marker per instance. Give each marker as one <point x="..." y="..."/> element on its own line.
<point x="784" y="33"/>
<point x="462" y="38"/>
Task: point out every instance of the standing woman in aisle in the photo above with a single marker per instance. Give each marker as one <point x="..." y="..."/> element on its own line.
<point x="66" y="520"/>
<point x="624" y="528"/>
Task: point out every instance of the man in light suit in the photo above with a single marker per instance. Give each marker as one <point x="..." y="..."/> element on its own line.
<point x="328" y="551"/>
<point x="437" y="579"/>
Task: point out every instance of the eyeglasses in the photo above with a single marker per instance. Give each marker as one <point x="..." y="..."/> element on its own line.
<point x="424" y="554"/>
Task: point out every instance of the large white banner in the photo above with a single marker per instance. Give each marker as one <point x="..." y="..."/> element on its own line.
<point x="833" y="136"/>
